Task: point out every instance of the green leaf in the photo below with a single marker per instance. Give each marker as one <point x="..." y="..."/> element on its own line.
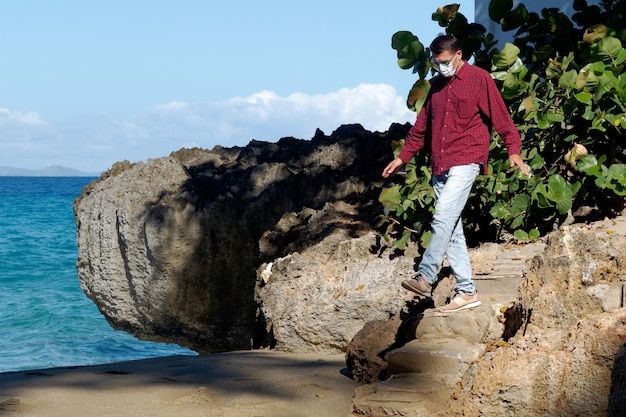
<point x="499" y="75"/>
<point x="425" y="239"/>
<point x="584" y="97"/>
<point x="506" y="58"/>
<point x="417" y="95"/>
<point x="568" y="79"/>
<point x="616" y="179"/>
<point x="521" y="235"/>
<point x="390" y="197"/>
<point x="589" y="165"/>
<point x="543" y="123"/>
<point x="408" y="205"/>
<point x="567" y="60"/>
<point x="534" y="234"/>
<point x="609" y="47"/>
<point x="402" y="242"/>
<point x="511" y="86"/>
<point x="621" y="57"/>
<point x="409" y="49"/>
<point x="499" y="8"/>
<point x="554" y="69"/>
<point x="516" y="222"/>
<point x="520" y="203"/>
<point x="560" y="192"/>
<point x="580" y="5"/>
<point x="555" y="117"/>
<point x="597" y="67"/>
<point x="406" y="62"/>
<point x="540" y="195"/>
<point x="515" y="18"/>
<point x="401" y="39"/>
<point x="589" y="113"/>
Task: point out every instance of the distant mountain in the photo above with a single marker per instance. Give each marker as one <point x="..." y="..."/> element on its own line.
<point x="51" y="171"/>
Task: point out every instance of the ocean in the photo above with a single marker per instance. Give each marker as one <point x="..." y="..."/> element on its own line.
<point x="45" y="318"/>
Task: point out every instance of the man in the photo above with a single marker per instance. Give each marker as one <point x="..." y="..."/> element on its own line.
<point x="462" y="108"/>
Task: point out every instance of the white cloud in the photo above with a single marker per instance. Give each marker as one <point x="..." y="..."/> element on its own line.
<point x="173" y="105"/>
<point x="96" y="142"/>
<point x="8" y="118"/>
<point x="268" y="116"/>
<point x="22" y="129"/>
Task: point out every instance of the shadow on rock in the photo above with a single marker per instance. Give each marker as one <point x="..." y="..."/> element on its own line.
<point x="366" y="357"/>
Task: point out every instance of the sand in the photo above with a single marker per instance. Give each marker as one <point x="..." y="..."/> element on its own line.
<point x="242" y="384"/>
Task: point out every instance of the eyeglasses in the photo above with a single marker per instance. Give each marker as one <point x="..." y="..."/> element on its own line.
<point x="444" y="63"/>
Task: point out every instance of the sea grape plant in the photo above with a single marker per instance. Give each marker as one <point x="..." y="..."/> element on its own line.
<point x="563" y="81"/>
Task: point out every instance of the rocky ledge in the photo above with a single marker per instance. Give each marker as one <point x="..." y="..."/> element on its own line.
<point x="548" y="338"/>
<point x="277" y="245"/>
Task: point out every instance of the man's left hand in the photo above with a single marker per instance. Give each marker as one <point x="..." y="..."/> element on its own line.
<point x="517" y="160"/>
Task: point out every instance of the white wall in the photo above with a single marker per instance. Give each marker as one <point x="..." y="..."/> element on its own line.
<point x="481" y="10"/>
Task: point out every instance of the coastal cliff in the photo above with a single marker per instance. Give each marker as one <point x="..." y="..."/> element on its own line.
<point x="169" y="249"/>
<point x="277" y="245"/>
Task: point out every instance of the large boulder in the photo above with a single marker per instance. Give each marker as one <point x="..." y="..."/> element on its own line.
<point x="320" y="296"/>
<point x="169" y="249"/>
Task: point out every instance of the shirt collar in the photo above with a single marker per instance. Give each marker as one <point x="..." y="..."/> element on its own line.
<point x="458" y="74"/>
<point x="461" y="71"/>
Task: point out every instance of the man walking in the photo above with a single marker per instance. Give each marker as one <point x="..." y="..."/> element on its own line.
<point x="462" y="108"/>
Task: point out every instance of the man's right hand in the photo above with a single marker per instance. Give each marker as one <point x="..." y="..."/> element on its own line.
<point x="392" y="168"/>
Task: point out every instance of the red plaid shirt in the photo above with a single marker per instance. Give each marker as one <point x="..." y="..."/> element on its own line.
<point x="457" y="119"/>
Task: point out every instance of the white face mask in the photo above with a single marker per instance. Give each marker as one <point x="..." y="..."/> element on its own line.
<point x="448" y="69"/>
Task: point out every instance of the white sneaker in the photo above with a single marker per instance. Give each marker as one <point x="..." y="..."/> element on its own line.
<point x="461" y="301"/>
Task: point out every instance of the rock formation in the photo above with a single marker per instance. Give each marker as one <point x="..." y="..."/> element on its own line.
<point x="277" y="245"/>
<point x="169" y="249"/>
<point x="565" y="355"/>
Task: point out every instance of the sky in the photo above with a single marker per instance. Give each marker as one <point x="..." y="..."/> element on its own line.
<point x="85" y="83"/>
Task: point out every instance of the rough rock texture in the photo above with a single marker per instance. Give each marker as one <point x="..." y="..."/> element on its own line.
<point x="564" y="357"/>
<point x="417" y="362"/>
<point x="169" y="249"/>
<point x="319" y="297"/>
<point x="568" y="349"/>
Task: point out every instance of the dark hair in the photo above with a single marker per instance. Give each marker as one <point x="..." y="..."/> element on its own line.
<point x="444" y="43"/>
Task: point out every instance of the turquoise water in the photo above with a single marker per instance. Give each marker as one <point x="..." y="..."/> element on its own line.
<point x="45" y="318"/>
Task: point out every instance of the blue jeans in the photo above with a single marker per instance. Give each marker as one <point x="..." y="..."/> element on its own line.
<point x="452" y="189"/>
